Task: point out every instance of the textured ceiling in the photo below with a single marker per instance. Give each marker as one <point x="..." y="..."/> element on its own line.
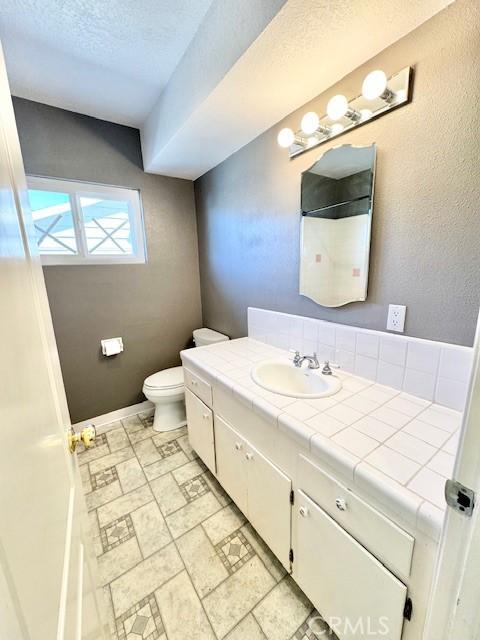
<point x="200" y="78"/>
<point x="107" y="58"/>
<point x="306" y="48"/>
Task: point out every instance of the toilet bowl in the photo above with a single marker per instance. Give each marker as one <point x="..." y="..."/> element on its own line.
<point x="166" y="389"/>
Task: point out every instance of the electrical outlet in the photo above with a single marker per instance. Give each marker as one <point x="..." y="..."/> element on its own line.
<point x="396" y="317"/>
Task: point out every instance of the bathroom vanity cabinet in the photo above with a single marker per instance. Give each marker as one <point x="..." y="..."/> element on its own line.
<point x="361" y="568"/>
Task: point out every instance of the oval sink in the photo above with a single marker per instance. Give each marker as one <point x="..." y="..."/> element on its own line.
<point x="281" y="376"/>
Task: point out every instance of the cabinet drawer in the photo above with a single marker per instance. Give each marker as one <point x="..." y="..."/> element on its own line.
<point x="355" y="594"/>
<point x="200" y="429"/>
<point x="382" y="537"/>
<point x="199" y="387"/>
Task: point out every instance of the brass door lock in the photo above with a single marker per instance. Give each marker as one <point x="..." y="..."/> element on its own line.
<point x="87" y="436"/>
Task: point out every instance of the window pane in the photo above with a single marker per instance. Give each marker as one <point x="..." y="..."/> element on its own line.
<point x="107" y="226"/>
<point x="53" y="220"/>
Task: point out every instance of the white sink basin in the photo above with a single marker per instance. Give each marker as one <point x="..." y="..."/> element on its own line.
<point x="281" y="376"/>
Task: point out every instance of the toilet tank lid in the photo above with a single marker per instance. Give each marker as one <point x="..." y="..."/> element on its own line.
<point x="209" y="336"/>
<point x="166" y="379"/>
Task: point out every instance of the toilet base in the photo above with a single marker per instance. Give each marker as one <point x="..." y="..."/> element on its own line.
<point x="169" y="416"/>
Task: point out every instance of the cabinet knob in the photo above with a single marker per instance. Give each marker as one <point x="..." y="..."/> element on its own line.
<point x="238" y="446"/>
<point x="249" y="456"/>
<point x="205" y="416"/>
<point x="341" y="504"/>
<point x="194" y="383"/>
<point x="303" y="511"/>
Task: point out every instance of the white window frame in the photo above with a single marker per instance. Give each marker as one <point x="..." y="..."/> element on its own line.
<point x="76" y="190"/>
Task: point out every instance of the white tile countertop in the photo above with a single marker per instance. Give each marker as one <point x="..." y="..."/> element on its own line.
<point x="394" y="445"/>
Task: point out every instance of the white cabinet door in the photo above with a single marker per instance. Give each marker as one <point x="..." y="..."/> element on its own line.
<point x="349" y="587"/>
<point x="269" y="508"/>
<point x="200" y="429"/>
<point x="231" y="463"/>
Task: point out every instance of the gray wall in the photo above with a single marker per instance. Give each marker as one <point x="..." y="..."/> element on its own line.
<point x="153" y="306"/>
<point x="426" y="223"/>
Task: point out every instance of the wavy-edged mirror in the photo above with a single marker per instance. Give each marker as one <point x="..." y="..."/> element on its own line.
<point x="337" y="201"/>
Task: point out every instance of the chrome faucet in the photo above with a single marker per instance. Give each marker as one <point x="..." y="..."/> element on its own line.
<point x="312" y="360"/>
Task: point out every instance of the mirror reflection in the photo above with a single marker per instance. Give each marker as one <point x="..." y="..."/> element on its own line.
<point x="336" y="199"/>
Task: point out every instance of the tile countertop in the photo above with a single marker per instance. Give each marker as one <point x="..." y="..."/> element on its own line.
<point x="397" y="447"/>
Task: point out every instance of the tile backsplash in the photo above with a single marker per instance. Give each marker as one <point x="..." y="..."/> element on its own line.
<point x="436" y="371"/>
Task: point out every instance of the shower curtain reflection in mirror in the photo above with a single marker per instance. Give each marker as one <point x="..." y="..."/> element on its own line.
<point x="337" y="198"/>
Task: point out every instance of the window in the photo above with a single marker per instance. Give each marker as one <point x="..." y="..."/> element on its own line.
<point x="84" y="223"/>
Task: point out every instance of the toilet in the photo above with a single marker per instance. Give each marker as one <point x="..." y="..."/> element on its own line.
<point x="166" y="389"/>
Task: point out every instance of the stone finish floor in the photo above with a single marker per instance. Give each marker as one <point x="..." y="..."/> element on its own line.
<point x="177" y="559"/>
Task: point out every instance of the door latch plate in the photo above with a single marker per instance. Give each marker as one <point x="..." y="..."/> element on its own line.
<point x="459" y="497"/>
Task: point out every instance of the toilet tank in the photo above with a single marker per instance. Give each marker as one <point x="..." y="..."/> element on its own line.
<point x="202" y="337"/>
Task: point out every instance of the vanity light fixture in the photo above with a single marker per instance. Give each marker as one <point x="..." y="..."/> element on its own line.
<point x="286" y="137"/>
<point x="311" y="125"/>
<point x="375" y="86"/>
<point x="337" y="128"/>
<point x="379" y="95"/>
<point x="338" y="108"/>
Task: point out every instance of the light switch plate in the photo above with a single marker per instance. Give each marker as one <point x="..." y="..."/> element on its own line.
<point x="396" y="317"/>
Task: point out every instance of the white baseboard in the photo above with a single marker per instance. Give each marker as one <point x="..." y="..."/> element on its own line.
<point x="113" y="416"/>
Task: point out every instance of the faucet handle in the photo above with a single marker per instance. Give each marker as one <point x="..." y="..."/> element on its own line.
<point x="296" y="358"/>
<point x="327" y="367"/>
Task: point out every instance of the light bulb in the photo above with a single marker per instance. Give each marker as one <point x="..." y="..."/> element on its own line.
<point x="310" y="122"/>
<point x="337" y="107"/>
<point x="366" y="114"/>
<point x="286" y="138"/>
<point x="375" y="85"/>
<point x="336" y="128"/>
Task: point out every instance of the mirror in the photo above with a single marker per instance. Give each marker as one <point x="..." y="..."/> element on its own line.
<point x="337" y="199"/>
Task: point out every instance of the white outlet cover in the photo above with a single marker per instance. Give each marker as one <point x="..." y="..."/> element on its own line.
<point x="396" y="317"/>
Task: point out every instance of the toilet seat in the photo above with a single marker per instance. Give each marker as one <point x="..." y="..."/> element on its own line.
<point x="167" y="379"/>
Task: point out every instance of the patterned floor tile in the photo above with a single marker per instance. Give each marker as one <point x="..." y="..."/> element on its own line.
<point x="181" y="610"/>
<point x="146" y="418"/>
<point x="141" y="621"/>
<point x="165" y="465"/>
<point x="145" y="578"/>
<point x="234" y="551"/>
<point x="235" y="597"/>
<point x="104" y="477"/>
<point x="151" y="528"/>
<point x="223" y="523"/>
<point x="118" y="560"/>
<point x="169" y="449"/>
<point x="314" y="628"/>
<point x="193" y="489"/>
<point x="117" y="439"/>
<point x="118" y="531"/>
<point x="283" y="610"/>
<point x="202" y="562"/>
<point x="217" y="580"/>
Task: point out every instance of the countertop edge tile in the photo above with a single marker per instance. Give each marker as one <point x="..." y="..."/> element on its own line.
<point x="388" y="492"/>
<point x="334" y="456"/>
<point x="430" y="520"/>
<point x="296" y="429"/>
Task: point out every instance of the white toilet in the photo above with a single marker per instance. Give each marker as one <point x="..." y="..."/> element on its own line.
<point x="166" y="390"/>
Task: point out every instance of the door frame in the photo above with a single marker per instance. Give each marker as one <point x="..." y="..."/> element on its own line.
<point x="453" y="610"/>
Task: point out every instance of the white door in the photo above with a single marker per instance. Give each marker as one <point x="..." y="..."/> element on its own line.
<point x="231" y="463"/>
<point x="200" y="429"/>
<point x="269" y="509"/>
<point x="355" y="594"/>
<point x="454" y="610"/>
<point x="44" y="565"/>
